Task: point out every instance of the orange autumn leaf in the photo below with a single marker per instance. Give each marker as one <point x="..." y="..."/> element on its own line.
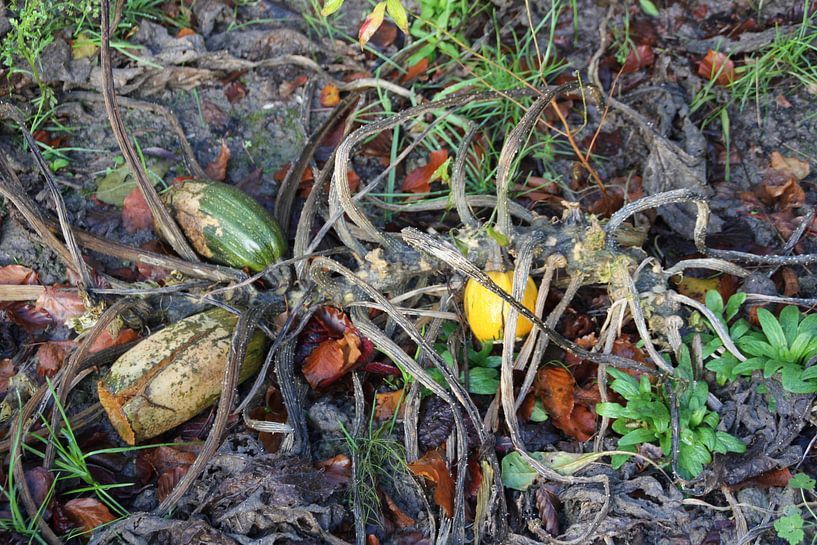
<point x="717" y="67"/>
<point x="104" y="340"/>
<point x="330" y="96"/>
<point x="556" y="388"/>
<point x="386" y="403"/>
<point x="400" y="517"/>
<point x="87" y="513"/>
<point x="135" y="212"/>
<point x="432" y="466"/>
<point x="217" y="170"/>
<point x="419" y="180"/>
<point x="332" y="359"/>
<point x="415" y="70"/>
<point x="186" y="31"/>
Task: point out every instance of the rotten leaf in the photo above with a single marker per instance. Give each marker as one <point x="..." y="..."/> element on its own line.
<point x="432" y="466"/>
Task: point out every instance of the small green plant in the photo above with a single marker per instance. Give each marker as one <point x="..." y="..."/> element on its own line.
<point x="782" y="345"/>
<point x="379" y="459"/>
<point x="645" y="418"/>
<point x="791" y="525"/>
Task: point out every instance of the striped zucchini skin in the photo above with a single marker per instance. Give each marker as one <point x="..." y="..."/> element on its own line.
<point x="226" y="225"/>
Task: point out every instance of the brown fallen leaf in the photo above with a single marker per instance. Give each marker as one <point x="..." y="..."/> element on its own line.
<point x="330" y="96"/>
<point x="401" y="519"/>
<point x="168" y="480"/>
<point x="6" y="372"/>
<point x="774" y="478"/>
<point x="235" y="91"/>
<point x="638" y="58"/>
<point x="419" y="180"/>
<point x="332" y="359"/>
<point x="60" y="303"/>
<point x="432" y="466"/>
<point x="415" y="70"/>
<point x="217" y="170"/>
<point x="87" y="513"/>
<point x="556" y="388"/>
<point x="791" y="165"/>
<point x="717" y="67"/>
<point x="17" y="275"/>
<point x="135" y="212"/>
<point x="337" y="469"/>
<point x="51" y="355"/>
<point x="386" y="403"/>
<point x="104" y="340"/>
<point x="185" y="31"/>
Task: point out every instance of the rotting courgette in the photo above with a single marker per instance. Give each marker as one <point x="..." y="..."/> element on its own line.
<point x="225" y="225"/>
<point x="171" y="376"/>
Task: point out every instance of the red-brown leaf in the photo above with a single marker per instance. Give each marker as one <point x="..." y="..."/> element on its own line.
<point x="6" y="372"/>
<point x="791" y="165"/>
<point x="39" y="482"/>
<point x="17" y="275"/>
<point x="330" y="96"/>
<point x="400" y="517"/>
<point x="432" y="466"/>
<point x="556" y="387"/>
<point x="235" y="91"/>
<point x="717" y="67"/>
<point x="331" y="360"/>
<point x="415" y="70"/>
<point x="51" y="355"/>
<point x="371" y="23"/>
<point x="337" y="469"/>
<point x="419" y="179"/>
<point x="104" y="340"/>
<point x="60" y="304"/>
<point x="640" y="57"/>
<point x="217" y="170"/>
<point x="135" y="212"/>
<point x="87" y="513"/>
<point x="774" y="478"/>
<point x="168" y="480"/>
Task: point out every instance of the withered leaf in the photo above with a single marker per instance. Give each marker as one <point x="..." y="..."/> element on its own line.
<point x="217" y="170"/>
<point x="87" y="513"/>
<point x="135" y="212"/>
<point x="337" y="469"/>
<point x="17" y="275"/>
<point x="432" y="466"/>
<point x="718" y="67"/>
<point x="386" y="403"/>
<point x="60" y="304"/>
<point x="400" y="517"/>
<point x="419" y="180"/>
<point x="332" y="359"/>
<point x="330" y="96"/>
<point x="556" y="388"/>
<point x="51" y="355"/>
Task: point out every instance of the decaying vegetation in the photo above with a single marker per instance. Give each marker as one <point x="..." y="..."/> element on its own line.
<point x="394" y="289"/>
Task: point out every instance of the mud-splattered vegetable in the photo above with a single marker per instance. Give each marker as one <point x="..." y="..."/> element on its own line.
<point x="486" y="312"/>
<point x="173" y="375"/>
<point x="225" y="225"/>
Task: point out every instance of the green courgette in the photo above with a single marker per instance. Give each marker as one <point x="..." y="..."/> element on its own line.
<point x="225" y="225"/>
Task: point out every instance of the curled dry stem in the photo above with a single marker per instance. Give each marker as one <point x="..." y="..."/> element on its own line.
<point x="167" y="226"/>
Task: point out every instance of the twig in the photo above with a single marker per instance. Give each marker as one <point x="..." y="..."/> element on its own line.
<point x="167" y="226"/>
